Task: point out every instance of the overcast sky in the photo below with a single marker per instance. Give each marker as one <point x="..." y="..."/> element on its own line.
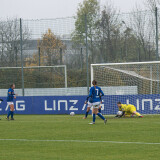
<point x="40" y="9"/>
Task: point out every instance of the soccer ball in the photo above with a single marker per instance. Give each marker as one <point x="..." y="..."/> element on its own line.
<point x="119" y="113"/>
<point x="72" y="114"/>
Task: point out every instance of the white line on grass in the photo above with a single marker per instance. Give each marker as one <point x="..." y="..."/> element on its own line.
<point x="79" y="141"/>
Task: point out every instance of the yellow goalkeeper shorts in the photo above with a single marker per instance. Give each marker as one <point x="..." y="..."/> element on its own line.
<point x="132" y="109"/>
<point x="128" y="113"/>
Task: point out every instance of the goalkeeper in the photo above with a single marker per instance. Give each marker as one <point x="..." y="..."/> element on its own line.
<point x="127" y="110"/>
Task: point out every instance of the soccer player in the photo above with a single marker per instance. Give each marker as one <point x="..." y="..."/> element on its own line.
<point x="128" y="109"/>
<point x="95" y="94"/>
<point x="89" y="101"/>
<point x="1" y="100"/>
<point x="10" y="97"/>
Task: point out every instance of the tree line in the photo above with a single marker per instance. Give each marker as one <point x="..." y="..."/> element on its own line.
<point x="112" y="37"/>
<point x="115" y="37"/>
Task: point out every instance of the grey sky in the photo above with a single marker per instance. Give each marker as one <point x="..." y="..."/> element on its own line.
<point x="40" y="9"/>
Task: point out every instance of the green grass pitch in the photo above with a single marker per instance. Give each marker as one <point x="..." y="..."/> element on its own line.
<point x="33" y="137"/>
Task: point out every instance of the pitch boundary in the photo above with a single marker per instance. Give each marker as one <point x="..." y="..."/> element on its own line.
<point x="80" y="141"/>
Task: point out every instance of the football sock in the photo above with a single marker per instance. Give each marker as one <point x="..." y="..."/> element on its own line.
<point x="101" y="116"/>
<point x="138" y="114"/>
<point x="12" y="114"/>
<point x="94" y="118"/>
<point x="9" y="113"/>
<point x="86" y="114"/>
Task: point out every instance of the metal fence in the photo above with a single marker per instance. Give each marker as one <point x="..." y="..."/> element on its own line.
<point x="77" y="43"/>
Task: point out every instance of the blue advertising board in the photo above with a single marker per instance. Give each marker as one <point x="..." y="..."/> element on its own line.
<point x="145" y="104"/>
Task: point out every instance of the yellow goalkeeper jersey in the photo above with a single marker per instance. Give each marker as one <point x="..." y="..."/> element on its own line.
<point x="126" y="107"/>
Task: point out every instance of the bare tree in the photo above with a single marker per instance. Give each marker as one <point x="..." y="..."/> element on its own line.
<point x="108" y="32"/>
<point x="142" y="24"/>
<point x="10" y="41"/>
<point x="152" y="4"/>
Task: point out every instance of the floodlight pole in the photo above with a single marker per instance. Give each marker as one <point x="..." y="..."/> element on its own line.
<point x="157" y="49"/>
<point x="65" y="70"/>
<point x="86" y="30"/>
<point x="21" y="44"/>
<point x="39" y="55"/>
<point x="151" y="79"/>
